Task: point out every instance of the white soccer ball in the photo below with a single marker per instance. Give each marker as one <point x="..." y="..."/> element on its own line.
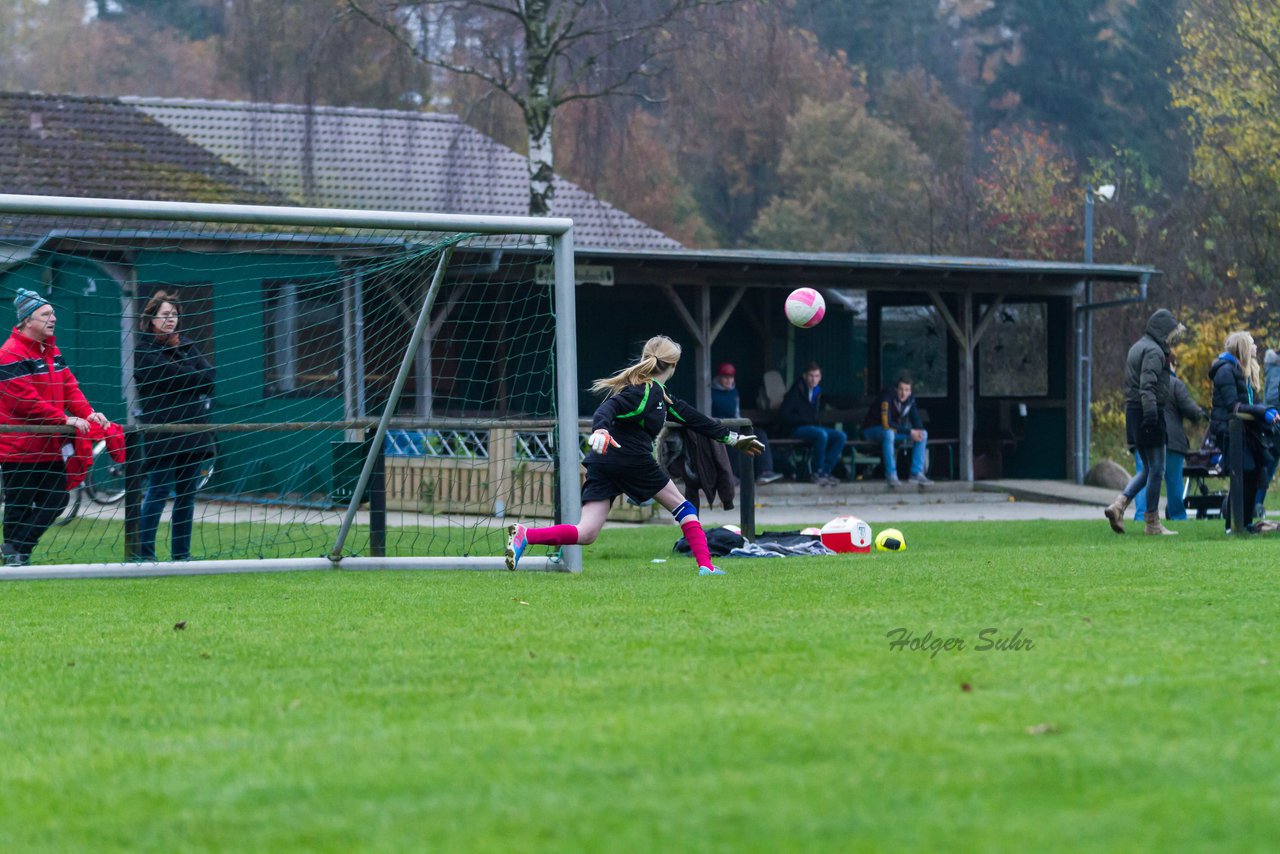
<point x="733" y="528"/>
<point x="847" y="534"/>
<point x="805" y="307"/>
<point x="812" y="532"/>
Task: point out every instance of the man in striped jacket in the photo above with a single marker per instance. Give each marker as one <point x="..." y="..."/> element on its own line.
<point x="36" y="387"/>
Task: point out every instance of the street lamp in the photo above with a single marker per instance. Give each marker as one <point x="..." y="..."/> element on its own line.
<point x="1106" y="192"/>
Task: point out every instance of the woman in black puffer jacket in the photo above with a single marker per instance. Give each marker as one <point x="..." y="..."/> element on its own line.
<point x="1234" y="375"/>
<point x="175" y="383"/>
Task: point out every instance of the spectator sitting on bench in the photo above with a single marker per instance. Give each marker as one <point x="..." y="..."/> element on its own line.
<point x="725" y="404"/>
<point x="800" y="414"/>
<point x="895" y="419"/>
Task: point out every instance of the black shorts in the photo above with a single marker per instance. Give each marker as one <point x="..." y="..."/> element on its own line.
<point x="640" y="478"/>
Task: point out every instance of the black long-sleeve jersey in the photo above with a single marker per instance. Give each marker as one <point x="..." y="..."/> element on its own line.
<point x="635" y="415"/>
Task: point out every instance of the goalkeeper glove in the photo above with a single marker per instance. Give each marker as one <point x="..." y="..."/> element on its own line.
<point x="749" y="445"/>
<point x="600" y="441"/>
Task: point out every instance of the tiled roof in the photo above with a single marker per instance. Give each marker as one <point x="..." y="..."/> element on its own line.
<point x="60" y="145"/>
<point x="392" y="160"/>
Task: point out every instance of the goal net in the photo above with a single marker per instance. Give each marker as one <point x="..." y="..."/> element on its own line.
<point x="346" y="389"/>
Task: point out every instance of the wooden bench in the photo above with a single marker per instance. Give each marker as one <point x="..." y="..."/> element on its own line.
<point x="865" y="453"/>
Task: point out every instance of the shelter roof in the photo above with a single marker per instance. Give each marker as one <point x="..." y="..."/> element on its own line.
<point x="863" y="271"/>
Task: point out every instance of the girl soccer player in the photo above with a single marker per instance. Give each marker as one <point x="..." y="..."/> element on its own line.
<point x="629" y="420"/>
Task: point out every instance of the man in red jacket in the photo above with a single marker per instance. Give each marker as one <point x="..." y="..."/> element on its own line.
<point x="36" y="387"/>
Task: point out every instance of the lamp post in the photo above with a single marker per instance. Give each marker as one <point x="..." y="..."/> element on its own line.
<point x="1106" y="192"/>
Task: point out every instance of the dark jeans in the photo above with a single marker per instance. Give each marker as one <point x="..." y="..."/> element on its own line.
<point x="179" y="476"/>
<point x="1149" y="475"/>
<point x="827" y="444"/>
<point x="34" y="495"/>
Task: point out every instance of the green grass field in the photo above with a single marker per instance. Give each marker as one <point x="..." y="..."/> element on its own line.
<point x="638" y="707"/>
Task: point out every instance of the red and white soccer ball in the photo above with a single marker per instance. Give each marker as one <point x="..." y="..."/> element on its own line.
<point x="847" y="534"/>
<point x="805" y="307"/>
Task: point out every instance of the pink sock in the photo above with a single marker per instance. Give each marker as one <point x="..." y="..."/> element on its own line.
<point x="697" y="542"/>
<point x="555" y="535"/>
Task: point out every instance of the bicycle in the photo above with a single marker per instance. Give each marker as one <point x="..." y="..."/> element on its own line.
<point x="104" y="484"/>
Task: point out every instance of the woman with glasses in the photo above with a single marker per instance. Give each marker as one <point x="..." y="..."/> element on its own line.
<point x="175" y="384"/>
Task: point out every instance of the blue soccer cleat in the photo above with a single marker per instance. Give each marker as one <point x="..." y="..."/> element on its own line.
<point x="517" y="540"/>
<point x="711" y="570"/>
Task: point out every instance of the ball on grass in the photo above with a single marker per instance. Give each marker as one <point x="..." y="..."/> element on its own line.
<point x="890" y="540"/>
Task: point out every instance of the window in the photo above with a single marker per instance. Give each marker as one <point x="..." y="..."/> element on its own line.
<point x="1013" y="352"/>
<point x="304" y="338"/>
<point x="913" y="338"/>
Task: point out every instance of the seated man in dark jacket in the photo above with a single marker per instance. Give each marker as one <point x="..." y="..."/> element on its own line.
<point x="895" y="419"/>
<point x="800" y="414"/>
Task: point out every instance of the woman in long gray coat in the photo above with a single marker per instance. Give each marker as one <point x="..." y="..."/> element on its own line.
<point x="1179" y="407"/>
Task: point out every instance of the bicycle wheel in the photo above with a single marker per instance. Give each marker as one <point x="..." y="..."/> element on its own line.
<point x="105" y="483"/>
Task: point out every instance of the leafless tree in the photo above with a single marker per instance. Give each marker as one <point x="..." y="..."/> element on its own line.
<point x="541" y="53"/>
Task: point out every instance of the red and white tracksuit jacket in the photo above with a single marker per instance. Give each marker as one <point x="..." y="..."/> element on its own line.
<point x="36" y="387"/>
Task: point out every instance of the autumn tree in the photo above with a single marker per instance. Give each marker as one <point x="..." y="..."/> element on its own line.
<point x="1230" y="89"/>
<point x="1029" y="196"/>
<point x="541" y="54"/>
<point x="727" y="104"/>
<point x="1094" y="70"/>
<point x="851" y="183"/>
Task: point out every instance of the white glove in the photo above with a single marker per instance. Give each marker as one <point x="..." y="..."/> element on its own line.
<point x="600" y="442"/>
<point x="749" y="445"/>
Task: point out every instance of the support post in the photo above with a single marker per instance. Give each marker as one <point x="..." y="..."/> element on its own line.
<point x="378" y="503"/>
<point x="568" y="477"/>
<point x="133" y="484"/>
<point x="747" y="495"/>
<point x="415" y="341"/>
<point x="1235" y="463"/>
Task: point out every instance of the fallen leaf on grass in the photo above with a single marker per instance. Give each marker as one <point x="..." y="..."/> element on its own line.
<point x="965" y="686"/>
<point x="1087" y="620"/>
<point x="519" y="601"/>
<point x="206" y="655"/>
<point x="180" y="625"/>
<point x="71" y="664"/>
<point x="1041" y="729"/>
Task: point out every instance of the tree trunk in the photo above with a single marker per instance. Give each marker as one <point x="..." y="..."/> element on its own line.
<point x="538" y="108"/>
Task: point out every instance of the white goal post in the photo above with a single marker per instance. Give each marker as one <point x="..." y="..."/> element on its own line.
<point x="114" y="233"/>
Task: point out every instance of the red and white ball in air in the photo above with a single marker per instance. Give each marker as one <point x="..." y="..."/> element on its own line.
<point x="805" y="307"/>
<point x="847" y="534"/>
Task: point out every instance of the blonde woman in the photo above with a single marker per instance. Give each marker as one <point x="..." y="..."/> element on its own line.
<point x="1235" y="376"/>
<point x="635" y="408"/>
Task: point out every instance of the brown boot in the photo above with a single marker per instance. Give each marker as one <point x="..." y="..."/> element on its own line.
<point x="1154" y="527"/>
<point x="1115" y="513"/>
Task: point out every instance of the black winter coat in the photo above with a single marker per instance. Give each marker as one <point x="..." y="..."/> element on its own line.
<point x="175" y="385"/>
<point x="1231" y="395"/>
<point x="798" y="409"/>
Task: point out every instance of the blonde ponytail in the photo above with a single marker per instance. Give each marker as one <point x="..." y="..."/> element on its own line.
<point x="659" y="354"/>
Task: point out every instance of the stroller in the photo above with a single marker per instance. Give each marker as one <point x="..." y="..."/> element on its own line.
<point x="1204" y="463"/>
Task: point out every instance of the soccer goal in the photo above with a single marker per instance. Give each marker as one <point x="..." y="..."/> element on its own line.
<point x="389" y="390"/>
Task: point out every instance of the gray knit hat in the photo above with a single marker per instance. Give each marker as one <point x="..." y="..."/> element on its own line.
<point x="26" y="303"/>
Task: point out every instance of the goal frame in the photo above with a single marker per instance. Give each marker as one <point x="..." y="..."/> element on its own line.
<point x="558" y="232"/>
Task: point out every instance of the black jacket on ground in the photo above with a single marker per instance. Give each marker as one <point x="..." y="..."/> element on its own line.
<point x="174" y="387"/>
